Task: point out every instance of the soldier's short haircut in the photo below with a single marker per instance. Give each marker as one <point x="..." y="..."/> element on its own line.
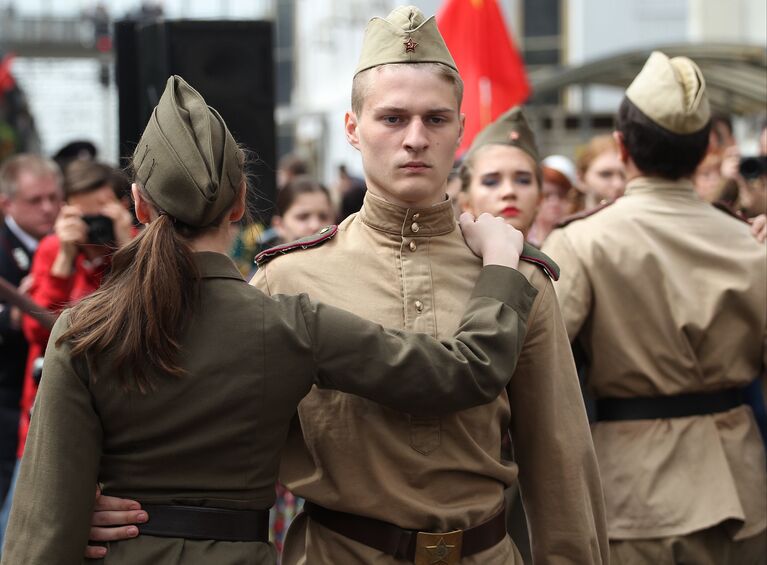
<point x="655" y="150"/>
<point x="361" y="82"/>
<point x="25" y="163"/>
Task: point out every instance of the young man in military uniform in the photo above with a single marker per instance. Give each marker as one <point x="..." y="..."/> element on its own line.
<point x="666" y="294"/>
<point x="383" y="487"/>
<point x="373" y="477"/>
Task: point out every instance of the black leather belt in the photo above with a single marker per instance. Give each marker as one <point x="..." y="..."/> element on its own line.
<point x="200" y="522"/>
<point x="412" y="545"/>
<point x="661" y="407"/>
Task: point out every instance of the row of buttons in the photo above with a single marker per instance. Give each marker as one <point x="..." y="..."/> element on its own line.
<point x="414" y="227"/>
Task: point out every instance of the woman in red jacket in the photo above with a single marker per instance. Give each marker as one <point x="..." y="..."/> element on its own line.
<point x="70" y="263"/>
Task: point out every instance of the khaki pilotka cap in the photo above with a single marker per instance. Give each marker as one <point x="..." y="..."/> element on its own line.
<point x="186" y="160"/>
<point x="510" y="129"/>
<point x="404" y="36"/>
<point x="671" y="93"/>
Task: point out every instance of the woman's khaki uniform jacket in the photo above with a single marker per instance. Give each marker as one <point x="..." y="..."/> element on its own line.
<point x="668" y="295"/>
<point x="213" y="437"/>
<point x="411" y="269"/>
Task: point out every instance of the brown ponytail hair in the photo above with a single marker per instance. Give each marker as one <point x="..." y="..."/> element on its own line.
<point x="137" y="317"/>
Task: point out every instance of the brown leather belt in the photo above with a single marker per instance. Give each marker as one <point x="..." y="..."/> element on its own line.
<point x="662" y="407"/>
<point x="412" y="545"/>
<point x="200" y="522"/>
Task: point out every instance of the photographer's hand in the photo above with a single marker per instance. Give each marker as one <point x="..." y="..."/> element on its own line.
<point x="121" y="220"/>
<point x="71" y="230"/>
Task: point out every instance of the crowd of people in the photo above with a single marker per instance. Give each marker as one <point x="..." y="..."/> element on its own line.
<point x="641" y="287"/>
<point x="560" y="187"/>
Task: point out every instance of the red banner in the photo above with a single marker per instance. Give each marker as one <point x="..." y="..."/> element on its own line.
<point x="7" y="82"/>
<point x="492" y="70"/>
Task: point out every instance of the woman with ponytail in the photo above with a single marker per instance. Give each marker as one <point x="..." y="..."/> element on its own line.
<point x="176" y="382"/>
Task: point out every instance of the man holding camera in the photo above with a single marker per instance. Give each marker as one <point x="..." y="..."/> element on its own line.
<point x="71" y="263"/>
<point x="30" y="199"/>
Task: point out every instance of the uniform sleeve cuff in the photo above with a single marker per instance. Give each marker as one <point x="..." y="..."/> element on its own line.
<point x="506" y="285"/>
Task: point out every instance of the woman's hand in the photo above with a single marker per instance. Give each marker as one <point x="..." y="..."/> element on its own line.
<point x="491" y="238"/>
<point x="113" y="519"/>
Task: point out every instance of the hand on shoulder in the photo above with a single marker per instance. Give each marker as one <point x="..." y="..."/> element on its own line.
<point x="491" y="238"/>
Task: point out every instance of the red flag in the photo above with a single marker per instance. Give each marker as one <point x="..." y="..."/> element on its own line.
<point x="492" y="70"/>
<point x="7" y="81"/>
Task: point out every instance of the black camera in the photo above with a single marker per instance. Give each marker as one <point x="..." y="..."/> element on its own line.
<point x="753" y="167"/>
<point x="101" y="231"/>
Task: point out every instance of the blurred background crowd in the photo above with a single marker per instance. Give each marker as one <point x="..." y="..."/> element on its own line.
<point x="75" y="86"/>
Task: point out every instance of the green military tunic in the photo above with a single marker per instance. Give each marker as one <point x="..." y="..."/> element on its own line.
<point x="213" y="438"/>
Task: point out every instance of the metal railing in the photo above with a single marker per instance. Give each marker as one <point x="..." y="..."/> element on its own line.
<point x="48" y="36"/>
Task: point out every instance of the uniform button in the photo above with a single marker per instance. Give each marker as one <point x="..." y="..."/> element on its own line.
<point x="416" y="216"/>
<point x="413" y="246"/>
<point x="415" y="227"/>
<point x="418" y="306"/>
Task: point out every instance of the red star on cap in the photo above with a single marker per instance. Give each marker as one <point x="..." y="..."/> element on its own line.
<point x="410" y="45"/>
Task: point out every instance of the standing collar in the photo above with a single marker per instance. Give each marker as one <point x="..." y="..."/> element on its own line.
<point x="412" y="222"/>
<point x="26" y="240"/>
<point x="645" y="185"/>
<point x="216" y="265"/>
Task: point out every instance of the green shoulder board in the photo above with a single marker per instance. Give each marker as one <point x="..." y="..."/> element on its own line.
<point x="534" y="255"/>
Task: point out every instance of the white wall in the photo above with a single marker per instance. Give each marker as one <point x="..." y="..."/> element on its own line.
<point x="69" y="104"/>
<point x="600" y="28"/>
<point x="731" y="21"/>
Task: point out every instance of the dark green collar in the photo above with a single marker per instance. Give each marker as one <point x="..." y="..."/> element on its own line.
<point x="216" y="266"/>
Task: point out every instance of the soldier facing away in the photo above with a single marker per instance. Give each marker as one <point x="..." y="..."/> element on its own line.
<point x="666" y="294"/>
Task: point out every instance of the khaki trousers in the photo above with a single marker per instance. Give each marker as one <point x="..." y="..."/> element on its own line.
<point x="712" y="546"/>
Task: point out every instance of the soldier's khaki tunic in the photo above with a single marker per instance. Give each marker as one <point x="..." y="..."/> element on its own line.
<point x="411" y="269"/>
<point x="669" y="295"/>
<point x="212" y="438"/>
